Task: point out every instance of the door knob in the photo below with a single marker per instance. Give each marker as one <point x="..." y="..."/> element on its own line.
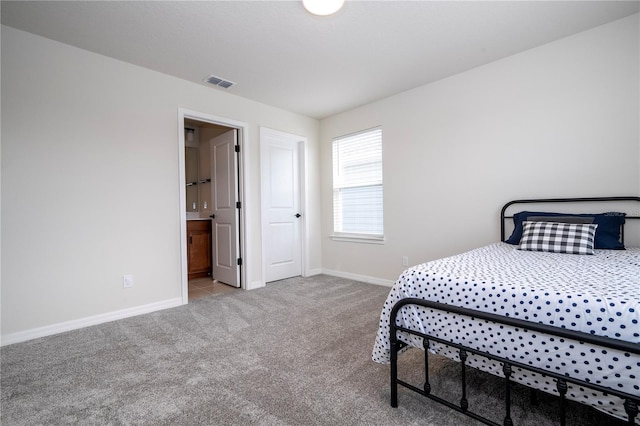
<point x="212" y="216"/>
<point x="298" y="215"/>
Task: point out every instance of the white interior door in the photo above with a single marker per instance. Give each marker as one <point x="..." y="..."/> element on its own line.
<point x="282" y="215"/>
<point x="224" y="196"/>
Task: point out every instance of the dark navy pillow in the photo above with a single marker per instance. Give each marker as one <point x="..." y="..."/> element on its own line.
<point x="607" y="233"/>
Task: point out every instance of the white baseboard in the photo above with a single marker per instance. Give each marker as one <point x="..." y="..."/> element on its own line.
<point x="312" y="272"/>
<point x="34" y="333"/>
<point x="256" y="284"/>
<point x="358" y="277"/>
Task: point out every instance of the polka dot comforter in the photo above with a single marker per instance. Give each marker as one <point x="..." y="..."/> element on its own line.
<point x="597" y="294"/>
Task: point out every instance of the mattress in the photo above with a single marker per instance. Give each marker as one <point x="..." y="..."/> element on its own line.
<point x="597" y="294"/>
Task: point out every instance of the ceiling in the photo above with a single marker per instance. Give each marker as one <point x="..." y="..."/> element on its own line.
<point x="280" y="55"/>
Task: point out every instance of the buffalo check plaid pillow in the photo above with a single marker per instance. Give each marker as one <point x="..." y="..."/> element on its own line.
<point x="554" y="237"/>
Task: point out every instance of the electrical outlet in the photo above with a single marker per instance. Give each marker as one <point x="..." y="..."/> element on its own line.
<point x="127" y="281"/>
<point x="405" y="260"/>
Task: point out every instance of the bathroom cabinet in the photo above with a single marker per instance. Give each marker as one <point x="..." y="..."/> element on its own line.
<point x="199" y="248"/>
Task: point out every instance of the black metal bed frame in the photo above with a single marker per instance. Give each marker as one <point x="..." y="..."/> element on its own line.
<point x="631" y="401"/>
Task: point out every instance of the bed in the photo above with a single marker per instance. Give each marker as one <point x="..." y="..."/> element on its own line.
<point x="555" y="307"/>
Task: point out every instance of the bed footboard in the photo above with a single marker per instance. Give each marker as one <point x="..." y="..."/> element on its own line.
<point x="562" y="381"/>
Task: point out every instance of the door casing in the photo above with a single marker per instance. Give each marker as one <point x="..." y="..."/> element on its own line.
<point x="245" y="235"/>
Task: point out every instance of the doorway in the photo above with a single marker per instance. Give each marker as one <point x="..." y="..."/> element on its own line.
<point x="214" y="198"/>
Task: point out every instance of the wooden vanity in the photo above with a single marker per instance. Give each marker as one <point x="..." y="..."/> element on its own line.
<point x="199" y="248"/>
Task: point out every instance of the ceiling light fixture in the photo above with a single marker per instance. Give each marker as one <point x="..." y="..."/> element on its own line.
<point x="323" y="7"/>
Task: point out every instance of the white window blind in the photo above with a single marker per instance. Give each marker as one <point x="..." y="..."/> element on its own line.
<point x="357" y="185"/>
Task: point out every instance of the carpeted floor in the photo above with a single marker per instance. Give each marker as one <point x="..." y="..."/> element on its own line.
<point x="297" y="352"/>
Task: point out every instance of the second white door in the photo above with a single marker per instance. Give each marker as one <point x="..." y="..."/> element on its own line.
<point x="281" y="205"/>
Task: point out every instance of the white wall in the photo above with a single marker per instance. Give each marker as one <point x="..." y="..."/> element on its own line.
<point x="90" y="166"/>
<point x="561" y="120"/>
<point x="90" y="183"/>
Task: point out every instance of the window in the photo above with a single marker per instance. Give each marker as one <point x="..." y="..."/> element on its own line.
<point x="357" y="186"/>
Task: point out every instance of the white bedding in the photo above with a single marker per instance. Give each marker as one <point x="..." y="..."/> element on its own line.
<point x="597" y="294"/>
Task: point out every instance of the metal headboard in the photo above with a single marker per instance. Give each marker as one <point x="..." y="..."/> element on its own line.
<point x="564" y="200"/>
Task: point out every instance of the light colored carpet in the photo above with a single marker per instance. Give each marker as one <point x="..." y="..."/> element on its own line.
<point x="297" y="352"/>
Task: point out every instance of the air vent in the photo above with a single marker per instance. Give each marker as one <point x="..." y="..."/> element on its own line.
<point x="217" y="81"/>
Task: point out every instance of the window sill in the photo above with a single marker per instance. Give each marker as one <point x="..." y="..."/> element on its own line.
<point x="358" y="238"/>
